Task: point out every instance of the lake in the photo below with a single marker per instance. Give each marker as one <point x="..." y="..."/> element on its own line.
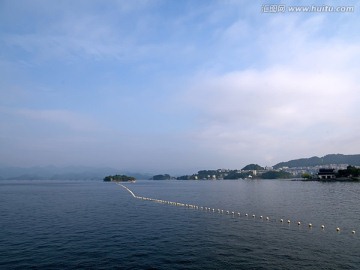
<point x="97" y="225"/>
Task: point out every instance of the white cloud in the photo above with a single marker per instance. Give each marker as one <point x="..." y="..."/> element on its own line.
<point x="302" y="103"/>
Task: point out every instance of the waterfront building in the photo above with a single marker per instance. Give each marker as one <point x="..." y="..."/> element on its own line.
<point x="326" y="173"/>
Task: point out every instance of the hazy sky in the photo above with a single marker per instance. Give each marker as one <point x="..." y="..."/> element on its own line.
<point x="176" y="86"/>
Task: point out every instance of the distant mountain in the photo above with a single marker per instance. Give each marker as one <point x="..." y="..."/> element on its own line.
<point x="62" y="173"/>
<point x="319" y="161"/>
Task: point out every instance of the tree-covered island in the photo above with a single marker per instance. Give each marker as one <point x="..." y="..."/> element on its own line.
<point x="161" y="177"/>
<point x="119" y="178"/>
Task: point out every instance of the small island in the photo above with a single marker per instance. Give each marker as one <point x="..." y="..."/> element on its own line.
<point x="119" y="178"/>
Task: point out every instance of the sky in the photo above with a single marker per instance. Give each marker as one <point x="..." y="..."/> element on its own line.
<point x="166" y="86"/>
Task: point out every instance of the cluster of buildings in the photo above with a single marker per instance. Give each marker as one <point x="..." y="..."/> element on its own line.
<point x="318" y="170"/>
<point x="328" y="171"/>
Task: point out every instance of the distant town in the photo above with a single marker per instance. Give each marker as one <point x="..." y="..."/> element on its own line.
<point x="331" y="167"/>
<point x="254" y="171"/>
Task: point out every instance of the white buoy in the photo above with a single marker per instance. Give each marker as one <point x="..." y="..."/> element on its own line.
<point x="288" y="221"/>
<point x="338" y="229"/>
<point x="253" y="216"/>
<point x="299" y="223"/>
<point x="322" y="226"/>
<point x="239" y="214"/>
<point x="310" y="225"/>
<point x="233" y="213"/>
<point x="261" y="217"/>
<point x="267" y="218"/>
<point x="281" y="220"/>
<point x="353" y="232"/>
<point x="246" y="215"/>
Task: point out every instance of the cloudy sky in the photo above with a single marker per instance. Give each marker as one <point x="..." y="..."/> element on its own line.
<point x="176" y="86"/>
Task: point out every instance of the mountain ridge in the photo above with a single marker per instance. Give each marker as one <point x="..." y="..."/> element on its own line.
<point x="353" y="160"/>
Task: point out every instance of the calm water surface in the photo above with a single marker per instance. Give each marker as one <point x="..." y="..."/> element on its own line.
<point x="96" y="225"/>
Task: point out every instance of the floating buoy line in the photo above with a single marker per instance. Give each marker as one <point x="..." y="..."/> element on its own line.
<point x="220" y="211"/>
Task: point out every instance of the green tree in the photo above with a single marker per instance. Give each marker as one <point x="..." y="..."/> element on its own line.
<point x="306" y="176"/>
<point x="276" y="175"/>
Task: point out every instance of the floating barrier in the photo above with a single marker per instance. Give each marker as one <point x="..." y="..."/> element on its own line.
<point x="208" y="209"/>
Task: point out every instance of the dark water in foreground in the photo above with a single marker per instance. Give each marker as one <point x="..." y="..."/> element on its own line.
<point x="95" y="225"/>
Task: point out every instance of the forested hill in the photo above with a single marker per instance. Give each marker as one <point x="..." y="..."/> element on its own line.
<point x="318" y="161"/>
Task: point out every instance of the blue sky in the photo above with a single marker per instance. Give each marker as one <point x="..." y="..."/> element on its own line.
<point x="176" y="86"/>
